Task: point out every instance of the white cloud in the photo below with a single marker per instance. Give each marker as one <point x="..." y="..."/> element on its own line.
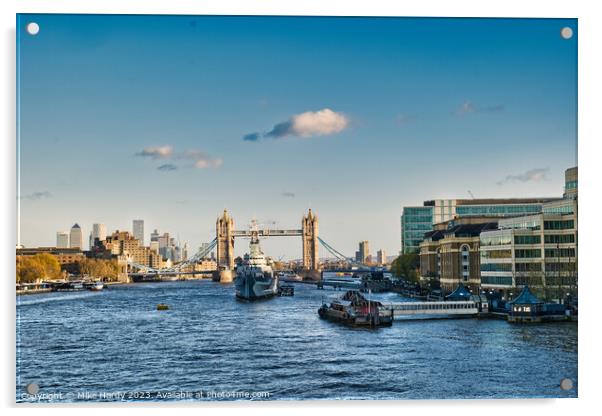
<point x="208" y="163"/>
<point x="319" y="123"/>
<point x="201" y="159"/>
<point x="532" y="175"/>
<point x="323" y="122"/>
<point x="156" y="152"/>
<point x="34" y="196"/>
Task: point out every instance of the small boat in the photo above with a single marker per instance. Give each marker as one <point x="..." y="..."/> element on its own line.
<point x="68" y="286"/>
<point x="95" y="286"/>
<point x="286" y="290"/>
<point x="289" y="276"/>
<point x="355" y="310"/>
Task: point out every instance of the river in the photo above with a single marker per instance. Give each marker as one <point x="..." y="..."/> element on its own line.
<point x="115" y="346"/>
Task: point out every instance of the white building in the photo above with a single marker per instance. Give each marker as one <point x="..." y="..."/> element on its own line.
<point x="99" y="231"/>
<point x="538" y="250"/>
<point x="62" y="239"/>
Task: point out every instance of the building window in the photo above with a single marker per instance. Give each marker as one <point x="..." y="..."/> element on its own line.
<point x="465" y="257"/>
<point x="527" y="239"/>
<point x="527" y="253"/>
<point x="497" y="280"/>
<point x="528" y="267"/>
<point x="496" y="254"/>
<point x="559" y="238"/>
<point x="496" y="267"/>
<point x="559" y="225"/>
<point x="560" y="252"/>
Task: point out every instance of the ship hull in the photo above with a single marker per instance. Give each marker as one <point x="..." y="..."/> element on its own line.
<point x="249" y="287"/>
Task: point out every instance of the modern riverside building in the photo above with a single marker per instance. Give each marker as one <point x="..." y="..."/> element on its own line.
<point x="75" y="237"/>
<point x="415" y="222"/>
<point x="418" y="220"/>
<point x="62" y="239"/>
<point x="537" y="250"/>
<point x="450" y="254"/>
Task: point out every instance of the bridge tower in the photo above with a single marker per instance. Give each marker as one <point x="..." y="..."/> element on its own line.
<point x="309" y="234"/>
<point x="225" y="241"/>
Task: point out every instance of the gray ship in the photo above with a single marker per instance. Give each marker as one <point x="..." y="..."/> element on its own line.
<point x="255" y="278"/>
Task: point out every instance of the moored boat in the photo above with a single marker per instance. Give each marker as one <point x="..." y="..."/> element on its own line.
<point x="255" y="278"/>
<point x="353" y="309"/>
<point x="94" y="286"/>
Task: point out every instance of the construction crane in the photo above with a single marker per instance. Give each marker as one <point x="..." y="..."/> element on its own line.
<point x="471" y="195"/>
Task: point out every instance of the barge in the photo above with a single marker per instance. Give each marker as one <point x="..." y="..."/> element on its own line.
<point x="355" y="310"/>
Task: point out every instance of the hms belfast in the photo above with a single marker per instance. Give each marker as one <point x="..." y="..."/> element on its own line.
<point x="255" y="278"/>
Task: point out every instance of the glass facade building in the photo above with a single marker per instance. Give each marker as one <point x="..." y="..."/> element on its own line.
<point x="538" y="250"/>
<point x="416" y="221"/>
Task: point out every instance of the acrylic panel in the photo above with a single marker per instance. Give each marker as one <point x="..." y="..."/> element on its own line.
<point x="231" y="208"/>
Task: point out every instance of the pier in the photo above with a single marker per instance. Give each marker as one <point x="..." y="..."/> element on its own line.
<point x="430" y="310"/>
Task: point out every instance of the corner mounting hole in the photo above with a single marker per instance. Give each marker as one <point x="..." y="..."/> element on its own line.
<point x="566" y="32"/>
<point x="33" y="28"/>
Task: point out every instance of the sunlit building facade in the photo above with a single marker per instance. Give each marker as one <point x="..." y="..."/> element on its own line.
<point x="535" y="250"/>
<point x="418" y="220"/>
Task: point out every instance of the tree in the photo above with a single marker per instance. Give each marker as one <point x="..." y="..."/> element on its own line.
<point x="405" y="266"/>
<point x="41" y="266"/>
<point x="99" y="268"/>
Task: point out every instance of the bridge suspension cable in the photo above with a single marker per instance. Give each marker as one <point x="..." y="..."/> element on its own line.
<point x="199" y="255"/>
<point x="339" y="255"/>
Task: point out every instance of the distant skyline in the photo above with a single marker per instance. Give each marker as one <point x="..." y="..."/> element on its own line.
<point x="171" y="119"/>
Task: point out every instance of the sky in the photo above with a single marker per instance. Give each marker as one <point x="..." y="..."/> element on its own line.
<point x="173" y="119"/>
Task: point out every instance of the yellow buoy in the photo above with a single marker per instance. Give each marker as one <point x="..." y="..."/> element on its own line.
<point x="162" y="307"/>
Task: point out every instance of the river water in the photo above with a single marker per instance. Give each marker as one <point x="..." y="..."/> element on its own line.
<point x="115" y="346"/>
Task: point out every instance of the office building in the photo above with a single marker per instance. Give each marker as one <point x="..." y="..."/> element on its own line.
<point x="138" y="230"/>
<point x="122" y="243"/>
<point x="535" y="250"/>
<point x="418" y="220"/>
<point x="62" y="239"/>
<point x="99" y="231"/>
<point x="361" y="256"/>
<point x="185" y="252"/>
<point x="381" y="257"/>
<point x="450" y="253"/>
<point x="570" y="183"/>
<point x="75" y="237"/>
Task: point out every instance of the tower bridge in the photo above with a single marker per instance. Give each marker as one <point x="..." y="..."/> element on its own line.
<point x="225" y="235"/>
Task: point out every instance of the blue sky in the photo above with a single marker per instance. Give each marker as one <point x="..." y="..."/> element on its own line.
<point x="125" y="117"/>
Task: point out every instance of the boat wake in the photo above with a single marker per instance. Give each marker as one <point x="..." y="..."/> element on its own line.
<point x="56" y="298"/>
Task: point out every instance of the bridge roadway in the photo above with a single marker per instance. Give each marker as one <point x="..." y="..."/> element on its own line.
<point x="168" y="273"/>
<point x="268" y="233"/>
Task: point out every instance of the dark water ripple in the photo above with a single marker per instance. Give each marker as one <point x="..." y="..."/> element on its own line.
<point x="115" y="341"/>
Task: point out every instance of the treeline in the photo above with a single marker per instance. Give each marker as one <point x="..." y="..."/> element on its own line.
<point x="44" y="266"/>
<point x="405" y="266"/>
<point x="98" y="268"/>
